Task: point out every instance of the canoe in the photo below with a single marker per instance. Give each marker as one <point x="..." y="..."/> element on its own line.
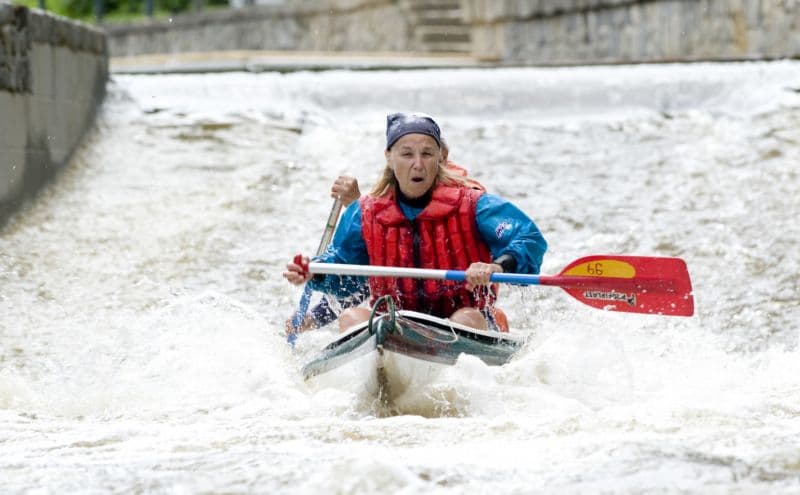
<point x="399" y="351"/>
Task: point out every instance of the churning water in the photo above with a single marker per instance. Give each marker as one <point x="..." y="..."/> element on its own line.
<point x="142" y="307"/>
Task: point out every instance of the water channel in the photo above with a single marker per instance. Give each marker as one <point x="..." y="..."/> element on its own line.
<point x="142" y="307"/>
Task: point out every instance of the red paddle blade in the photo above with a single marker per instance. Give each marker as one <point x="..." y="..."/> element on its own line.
<point x="630" y="284"/>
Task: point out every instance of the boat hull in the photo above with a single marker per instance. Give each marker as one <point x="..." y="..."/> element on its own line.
<point x="399" y="353"/>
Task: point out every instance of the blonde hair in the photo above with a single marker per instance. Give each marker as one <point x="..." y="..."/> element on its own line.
<point x="388" y="181"/>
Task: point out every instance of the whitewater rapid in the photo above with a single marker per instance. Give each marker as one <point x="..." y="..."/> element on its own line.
<point x="142" y="307"/>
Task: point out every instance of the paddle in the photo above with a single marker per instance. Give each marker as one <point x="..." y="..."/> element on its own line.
<point x="631" y="284"/>
<point x="305" y="299"/>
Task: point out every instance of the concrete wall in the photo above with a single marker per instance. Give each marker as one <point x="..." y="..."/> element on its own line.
<point x="52" y="78"/>
<point x="310" y="25"/>
<point x="541" y="32"/>
<point x="510" y="32"/>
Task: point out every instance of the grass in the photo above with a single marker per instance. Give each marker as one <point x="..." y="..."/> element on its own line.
<point x="122" y="15"/>
<point x="54" y="7"/>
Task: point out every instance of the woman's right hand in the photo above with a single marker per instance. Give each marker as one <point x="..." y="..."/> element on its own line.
<point x="297" y="273"/>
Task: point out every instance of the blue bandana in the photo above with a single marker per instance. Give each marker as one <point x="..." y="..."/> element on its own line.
<point x="400" y="124"/>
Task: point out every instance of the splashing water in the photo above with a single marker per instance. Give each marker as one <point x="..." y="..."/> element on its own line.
<point x="141" y="344"/>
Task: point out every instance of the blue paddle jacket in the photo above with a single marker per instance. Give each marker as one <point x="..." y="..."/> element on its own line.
<point x="501" y="225"/>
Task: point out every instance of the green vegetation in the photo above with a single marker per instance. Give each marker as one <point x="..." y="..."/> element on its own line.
<point x="119" y="10"/>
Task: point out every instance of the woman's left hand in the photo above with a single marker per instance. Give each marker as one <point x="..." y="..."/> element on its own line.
<point x="479" y="274"/>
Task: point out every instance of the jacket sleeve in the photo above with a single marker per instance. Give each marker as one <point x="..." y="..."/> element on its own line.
<point x="347" y="247"/>
<point x="508" y="230"/>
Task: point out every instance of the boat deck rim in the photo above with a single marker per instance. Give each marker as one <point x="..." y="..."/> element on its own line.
<point x="423" y="317"/>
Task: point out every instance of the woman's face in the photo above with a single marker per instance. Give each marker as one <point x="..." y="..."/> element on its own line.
<point x="415" y="160"/>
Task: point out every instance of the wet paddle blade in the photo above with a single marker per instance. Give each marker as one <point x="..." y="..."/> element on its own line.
<point x="630" y="284"/>
<point x="305" y="299"/>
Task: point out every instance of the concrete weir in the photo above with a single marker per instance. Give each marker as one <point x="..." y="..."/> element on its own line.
<point x="53" y="73"/>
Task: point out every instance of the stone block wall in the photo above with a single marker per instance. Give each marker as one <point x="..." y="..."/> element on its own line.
<point x="52" y="78"/>
<point x="542" y="32"/>
<point x="310" y="25"/>
<point x="509" y="32"/>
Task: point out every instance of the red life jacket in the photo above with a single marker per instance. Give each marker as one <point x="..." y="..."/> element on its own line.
<point x="443" y="236"/>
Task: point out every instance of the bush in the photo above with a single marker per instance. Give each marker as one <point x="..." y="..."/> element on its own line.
<point x="78" y="8"/>
<point x="85" y="8"/>
<point x="175" y="6"/>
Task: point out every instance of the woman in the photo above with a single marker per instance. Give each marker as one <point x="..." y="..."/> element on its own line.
<point x="420" y="214"/>
<point x="346" y="190"/>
